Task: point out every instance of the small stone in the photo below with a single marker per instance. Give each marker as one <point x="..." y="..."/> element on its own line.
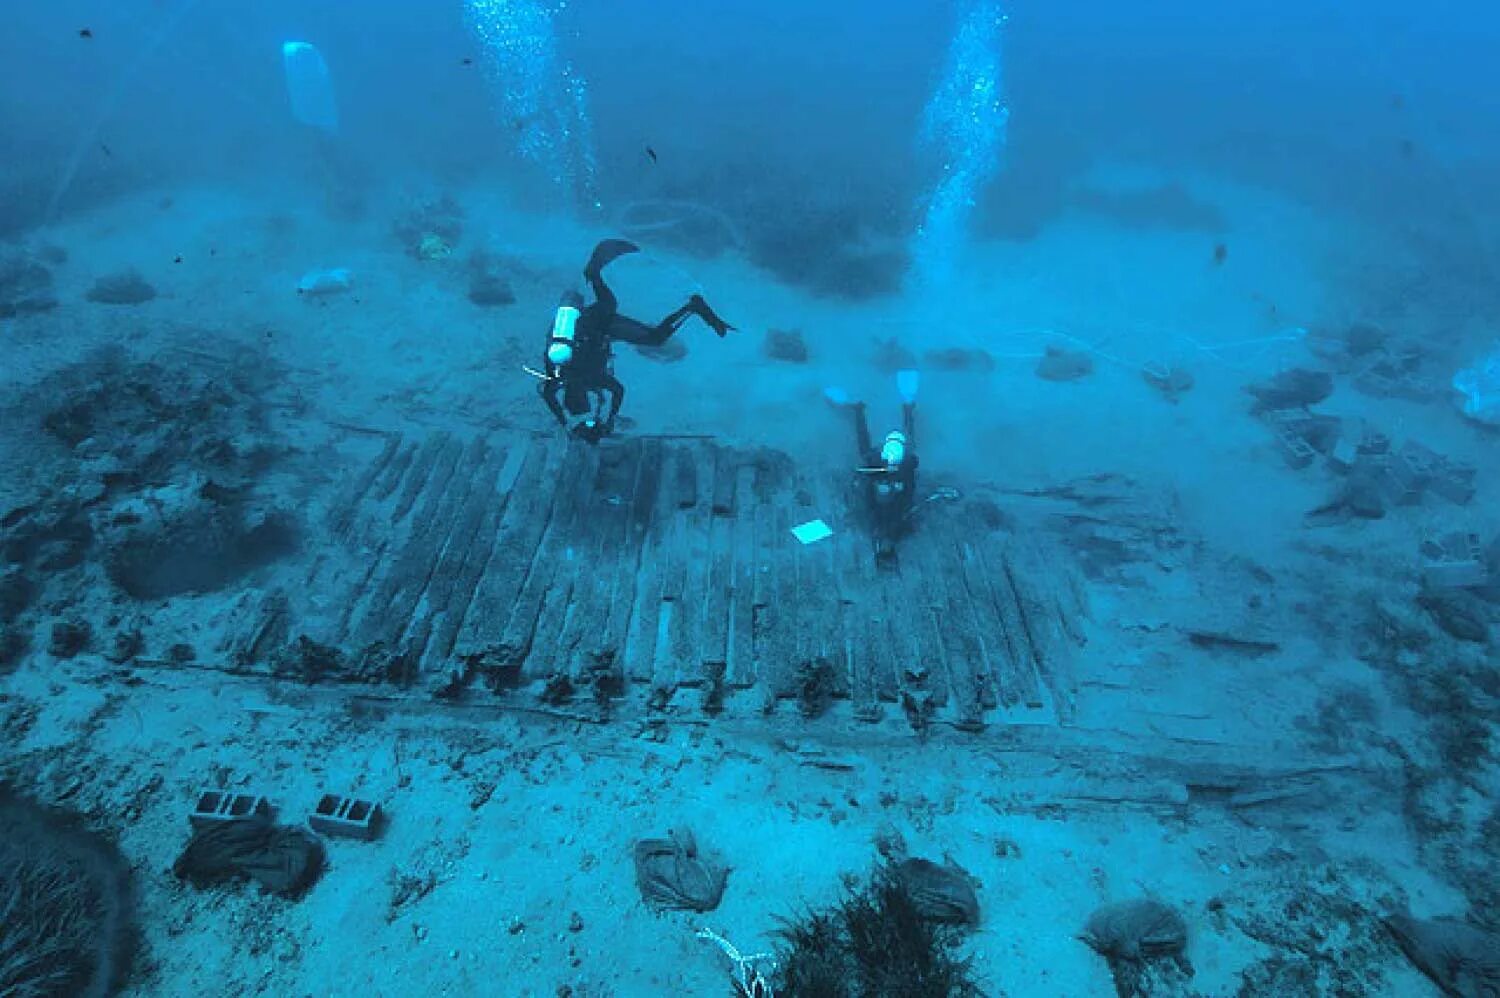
<point x="181" y="653"/>
<point x="17" y="593"/>
<point x="453" y="954"/>
<point x="127" y="645"/>
<point x="13" y="644"/>
<point x="575" y="922"/>
<point x="669" y="352"/>
<point x="516" y="926"/>
<point x="70" y="637"/>
<point x="787" y="345"/>
<point x="489" y="290"/>
<point x="25" y="286"/>
<point x="959" y="359"/>
<point x="1058" y="364"/>
<point x="126" y="287"/>
<point x="420" y="931"/>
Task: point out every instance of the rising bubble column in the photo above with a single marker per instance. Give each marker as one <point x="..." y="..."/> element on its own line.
<point x="963" y="134"/>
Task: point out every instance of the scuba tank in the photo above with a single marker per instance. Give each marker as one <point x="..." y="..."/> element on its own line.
<point x="564" y="330"/>
<point x="893" y="451"/>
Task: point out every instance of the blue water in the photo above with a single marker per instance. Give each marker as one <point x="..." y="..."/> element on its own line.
<point x="1191" y="312"/>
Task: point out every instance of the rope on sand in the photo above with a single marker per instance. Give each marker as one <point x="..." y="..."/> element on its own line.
<point x="672" y="214"/>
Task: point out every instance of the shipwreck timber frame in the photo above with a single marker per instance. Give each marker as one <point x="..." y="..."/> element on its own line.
<point x="665" y="563"/>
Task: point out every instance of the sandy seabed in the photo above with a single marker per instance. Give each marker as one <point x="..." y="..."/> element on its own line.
<point x="506" y="865"/>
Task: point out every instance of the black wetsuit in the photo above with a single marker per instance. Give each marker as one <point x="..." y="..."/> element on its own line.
<point x="584" y="392"/>
<point x="890" y="491"/>
<point x="579" y="388"/>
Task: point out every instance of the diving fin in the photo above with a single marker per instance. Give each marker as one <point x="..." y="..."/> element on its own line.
<point x="607" y="251"/>
<point x="906" y="384"/>
<point x="836" y="395"/>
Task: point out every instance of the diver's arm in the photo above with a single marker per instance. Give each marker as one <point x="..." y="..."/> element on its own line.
<point x="612" y="387"/>
<point x="550" y="391"/>
<point x="909" y="424"/>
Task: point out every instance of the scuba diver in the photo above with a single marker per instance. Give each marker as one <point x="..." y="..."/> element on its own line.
<point x="888" y="474"/>
<point x="578" y="382"/>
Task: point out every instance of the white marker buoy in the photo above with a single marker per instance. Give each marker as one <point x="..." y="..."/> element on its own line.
<point x="309" y="87"/>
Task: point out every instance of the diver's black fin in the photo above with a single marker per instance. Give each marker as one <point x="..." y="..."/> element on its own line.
<point x="606" y="251"/>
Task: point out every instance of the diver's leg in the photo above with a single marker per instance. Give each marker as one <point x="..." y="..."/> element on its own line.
<point x="861" y="432"/>
<point x="704" y="311"/>
<point x="593" y="271"/>
<point x="628" y="330"/>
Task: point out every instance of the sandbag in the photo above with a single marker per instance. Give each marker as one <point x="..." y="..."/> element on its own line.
<point x="1136" y="930"/>
<point x="1144" y="942"/>
<point x="283" y="859"/>
<point x="671" y="874"/>
<point x="941" y="893"/>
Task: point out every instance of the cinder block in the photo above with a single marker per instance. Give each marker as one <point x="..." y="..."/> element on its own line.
<point x="1294" y="448"/>
<point x="1454" y="561"/>
<point x="1455" y="483"/>
<point x="1398" y="488"/>
<point x="346" y="817"/>
<point x="1374" y="442"/>
<point x="1346" y="449"/>
<point x="225" y="805"/>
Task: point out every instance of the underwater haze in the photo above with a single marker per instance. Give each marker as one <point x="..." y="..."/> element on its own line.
<point x="556" y="497"/>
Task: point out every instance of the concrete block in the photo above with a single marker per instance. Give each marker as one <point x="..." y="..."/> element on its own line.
<point x="1454" y="561"/>
<point x="226" y="805"/>
<point x="346" y="817"/>
<point x="1293" y="446"/>
<point x="1455" y="483"/>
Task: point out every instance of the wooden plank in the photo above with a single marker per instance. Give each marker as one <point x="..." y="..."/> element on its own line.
<point x="762" y="584"/>
<point x="1020" y="676"/>
<point x="515" y="644"/>
<point x="688" y="582"/>
<point x="386" y="613"/>
<point x="419" y="474"/>
<point x="423" y="554"/>
<point x="998" y="687"/>
<point x="393" y="474"/>
<point x="924" y="599"/>
<point x="1054" y="653"/>
<point x="670" y="558"/>
<point x="604" y="535"/>
<point x="718" y="580"/>
<point x="963" y="649"/>
<point x="644" y="592"/>
<point x="820" y="632"/>
<point x="901" y="617"/>
<point x="685" y="475"/>
<point x="565" y="551"/>
<point x="741" y="672"/>
<point x="856" y="602"/>
<point x="514" y="553"/>
<point x="778" y="663"/>
<point x="470" y="547"/>
<point x="884" y="666"/>
<point x="344" y="509"/>
<point x="726" y="482"/>
<point x="621" y="566"/>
